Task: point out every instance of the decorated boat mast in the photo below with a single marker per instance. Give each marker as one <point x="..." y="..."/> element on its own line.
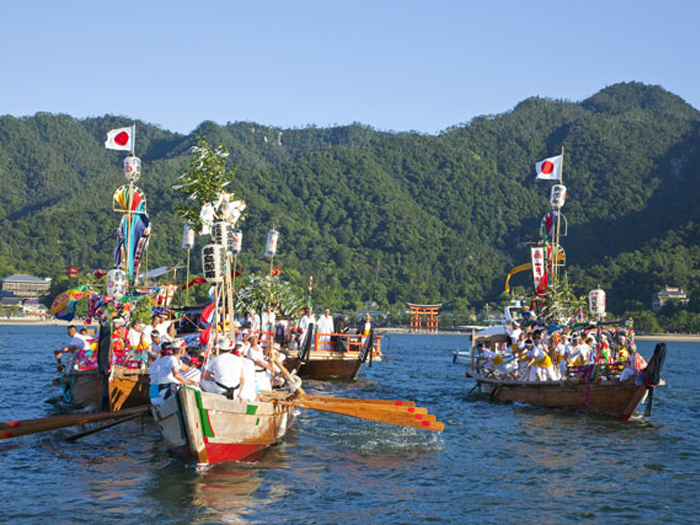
<point x="216" y="213"/>
<point x="548" y="258"/>
<point x="134" y="229"/>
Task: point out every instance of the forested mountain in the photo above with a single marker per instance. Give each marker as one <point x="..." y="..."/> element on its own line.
<point x="389" y="217"/>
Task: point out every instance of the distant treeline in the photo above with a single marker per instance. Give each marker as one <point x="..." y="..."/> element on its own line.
<point x="392" y="217"/>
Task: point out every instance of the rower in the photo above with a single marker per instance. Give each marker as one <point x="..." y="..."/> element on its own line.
<point x="263" y="369"/>
<point x="166" y="374"/>
<point x="563" y="349"/>
<point x="540" y="363"/>
<point x="77" y="342"/>
<point x="224" y="374"/>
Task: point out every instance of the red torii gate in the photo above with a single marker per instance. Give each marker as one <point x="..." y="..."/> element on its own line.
<point x="430" y="311"/>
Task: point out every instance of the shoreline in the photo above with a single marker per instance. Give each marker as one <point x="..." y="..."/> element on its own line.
<point x="19" y="321"/>
<point x="680" y="338"/>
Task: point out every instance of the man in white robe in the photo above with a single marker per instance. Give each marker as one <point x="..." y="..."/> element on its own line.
<point x="325" y="329"/>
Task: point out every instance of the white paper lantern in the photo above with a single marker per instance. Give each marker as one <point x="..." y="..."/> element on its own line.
<point x="596" y="302"/>
<point x="271" y="247"/>
<point x="132" y="168"/>
<point x="188" y="237"/>
<point x="213" y="263"/>
<point x="558" y="196"/>
<point x="116" y="284"/>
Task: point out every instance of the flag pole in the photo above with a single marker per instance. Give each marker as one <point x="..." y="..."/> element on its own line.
<point x="187" y="281"/>
<point x="555" y="262"/>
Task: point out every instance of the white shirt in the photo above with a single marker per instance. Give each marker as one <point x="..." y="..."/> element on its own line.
<point x="268" y="320"/>
<point x="584" y="351"/>
<point x="146" y="334"/>
<point x="254" y="321"/>
<point x="249" y="392"/>
<point x="537" y="352"/>
<point x="162" y="329"/>
<point x="134" y="337"/>
<point x="325" y="324"/>
<point x="305" y="322"/>
<point x="161" y="370"/>
<point x="79" y="342"/>
<point x="515" y="334"/>
<point x="256" y="354"/>
<point x="227" y="369"/>
<point x="262" y="377"/>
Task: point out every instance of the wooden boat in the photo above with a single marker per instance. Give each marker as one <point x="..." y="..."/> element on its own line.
<point x="594" y="388"/>
<point x="319" y="359"/>
<point x="209" y="428"/>
<point x="127" y="388"/>
<point x="609" y="397"/>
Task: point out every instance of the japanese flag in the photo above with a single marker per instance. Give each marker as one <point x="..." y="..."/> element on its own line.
<point x="120" y="139"/>
<point x="549" y="169"/>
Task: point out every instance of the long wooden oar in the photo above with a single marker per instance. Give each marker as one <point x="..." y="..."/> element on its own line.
<point x="10" y="429"/>
<point x="374" y="413"/>
<point x="384" y="412"/>
<point x="344" y="401"/>
<point x="392" y="402"/>
<point x="398" y="403"/>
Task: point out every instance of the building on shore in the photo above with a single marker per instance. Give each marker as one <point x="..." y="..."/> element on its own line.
<point x="25" y="286"/>
<point x="666" y="295"/>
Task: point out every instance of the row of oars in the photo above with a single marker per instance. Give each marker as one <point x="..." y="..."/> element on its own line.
<point x="404" y="413"/>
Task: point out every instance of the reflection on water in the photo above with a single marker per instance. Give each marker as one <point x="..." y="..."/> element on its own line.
<point x="494" y="463"/>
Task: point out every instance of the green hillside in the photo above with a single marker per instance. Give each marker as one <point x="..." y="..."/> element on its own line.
<point x="390" y="217"/>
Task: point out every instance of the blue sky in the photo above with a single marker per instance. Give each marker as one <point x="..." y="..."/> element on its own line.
<point x="394" y="65"/>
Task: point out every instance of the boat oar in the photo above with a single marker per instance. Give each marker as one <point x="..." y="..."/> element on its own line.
<point x="385" y="414"/>
<point x="650" y="401"/>
<point x="389" y="402"/>
<point x="102" y="427"/>
<point x="286" y="374"/>
<point x="10" y="429"/>
<point x="386" y="411"/>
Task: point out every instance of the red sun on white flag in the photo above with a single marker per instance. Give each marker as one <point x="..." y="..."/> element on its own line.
<point x="120" y="139"/>
<point x="549" y="169"/>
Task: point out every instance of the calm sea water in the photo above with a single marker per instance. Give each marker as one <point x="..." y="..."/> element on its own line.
<point x="492" y="464"/>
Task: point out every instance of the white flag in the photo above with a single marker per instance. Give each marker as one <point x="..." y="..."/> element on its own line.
<point x="120" y="139"/>
<point x="549" y="169"/>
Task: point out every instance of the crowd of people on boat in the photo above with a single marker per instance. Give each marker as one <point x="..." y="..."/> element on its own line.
<point x="240" y="365"/>
<point x="539" y="353"/>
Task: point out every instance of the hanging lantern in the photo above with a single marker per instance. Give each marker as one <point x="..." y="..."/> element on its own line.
<point x="188" y="237"/>
<point x="558" y="196"/>
<point x="219" y="233"/>
<point x="213" y="263"/>
<point x="237" y="241"/>
<point x="596" y="302"/>
<point x="132" y="168"/>
<point x="271" y="247"/>
<point x="116" y="284"/>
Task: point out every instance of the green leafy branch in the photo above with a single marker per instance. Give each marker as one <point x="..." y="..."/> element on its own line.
<point x="204" y="180"/>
